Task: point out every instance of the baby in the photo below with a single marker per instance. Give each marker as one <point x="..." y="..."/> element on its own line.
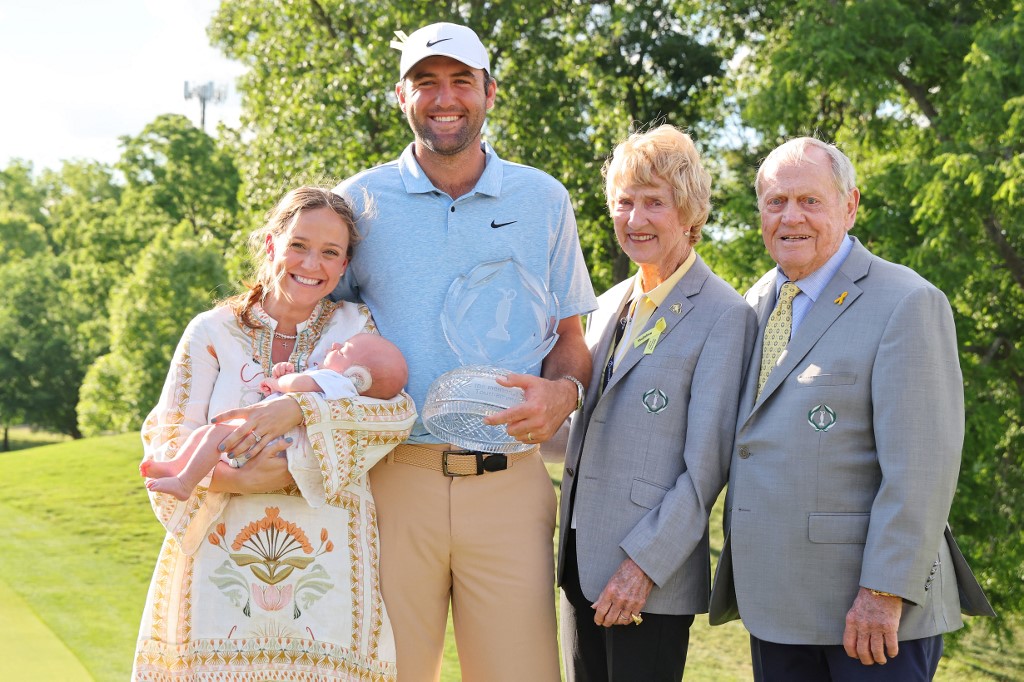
<point x="366" y="364"/>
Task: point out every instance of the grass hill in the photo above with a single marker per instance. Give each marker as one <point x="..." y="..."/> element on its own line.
<point x="78" y="542"/>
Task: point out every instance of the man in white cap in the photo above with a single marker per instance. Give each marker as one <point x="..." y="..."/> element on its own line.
<point x="473" y="530"/>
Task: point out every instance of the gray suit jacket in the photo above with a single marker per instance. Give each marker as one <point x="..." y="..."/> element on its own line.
<point x="844" y="469"/>
<point x="644" y="468"/>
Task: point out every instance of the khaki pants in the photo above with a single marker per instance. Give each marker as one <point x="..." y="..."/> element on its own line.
<point x="482" y="542"/>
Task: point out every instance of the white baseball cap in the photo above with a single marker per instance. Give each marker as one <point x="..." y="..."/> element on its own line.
<point x="447" y="40"/>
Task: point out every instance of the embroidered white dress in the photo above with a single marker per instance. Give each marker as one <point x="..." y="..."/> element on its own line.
<point x="277" y="586"/>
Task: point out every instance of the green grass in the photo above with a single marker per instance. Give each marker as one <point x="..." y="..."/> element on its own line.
<point x="78" y="542"/>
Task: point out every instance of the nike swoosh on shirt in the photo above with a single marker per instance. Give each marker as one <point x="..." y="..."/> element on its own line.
<point x="494" y="224"/>
<point x="431" y="43"/>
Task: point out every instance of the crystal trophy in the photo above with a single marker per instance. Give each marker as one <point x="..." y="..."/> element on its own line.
<point x="498" y="319"/>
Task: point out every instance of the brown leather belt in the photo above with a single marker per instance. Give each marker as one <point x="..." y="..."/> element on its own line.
<point x="456" y="463"/>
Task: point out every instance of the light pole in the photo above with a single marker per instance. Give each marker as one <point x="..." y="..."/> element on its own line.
<point x="206" y="92"/>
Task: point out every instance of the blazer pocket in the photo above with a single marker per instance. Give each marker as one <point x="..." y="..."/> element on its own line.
<point x="838" y="529"/>
<point x="807" y="378"/>
<point x="646" y="494"/>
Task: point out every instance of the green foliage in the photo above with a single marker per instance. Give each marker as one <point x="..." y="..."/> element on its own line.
<point x="176" y="169"/>
<point x="85" y="231"/>
<point x="39" y="369"/>
<point x="20" y="237"/>
<point x="54" y="316"/>
<point x="175" y="278"/>
<point x="100" y="409"/>
<point x="80" y="200"/>
<point x="19" y="193"/>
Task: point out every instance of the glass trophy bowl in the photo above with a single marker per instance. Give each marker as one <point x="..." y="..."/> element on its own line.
<point x="498" y="319"/>
<point x="458" y="401"/>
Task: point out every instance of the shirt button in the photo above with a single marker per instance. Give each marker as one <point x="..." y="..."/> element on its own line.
<point x="453" y="209"/>
<point x="569" y="471"/>
<point x="744" y="452"/>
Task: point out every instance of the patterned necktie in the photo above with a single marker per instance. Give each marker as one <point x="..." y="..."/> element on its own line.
<point x="776" y="332"/>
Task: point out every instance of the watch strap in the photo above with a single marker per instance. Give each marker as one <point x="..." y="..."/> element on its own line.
<point x="580" y="391"/>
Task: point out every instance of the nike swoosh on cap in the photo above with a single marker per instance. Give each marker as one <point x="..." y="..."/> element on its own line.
<point x="494" y="224"/>
<point x="431" y="43"/>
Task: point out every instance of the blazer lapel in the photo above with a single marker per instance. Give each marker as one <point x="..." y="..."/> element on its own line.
<point x="689" y="285"/>
<point x="761" y="298"/>
<point x="600" y="330"/>
<point x="837" y="297"/>
<point x="605" y="319"/>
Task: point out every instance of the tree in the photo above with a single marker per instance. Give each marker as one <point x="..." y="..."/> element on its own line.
<point x="176" y="169"/>
<point x="40" y="372"/>
<point x="19" y="193"/>
<point x="79" y="201"/>
<point x="20" y="237"/>
<point x="928" y="100"/>
<point x="175" y="278"/>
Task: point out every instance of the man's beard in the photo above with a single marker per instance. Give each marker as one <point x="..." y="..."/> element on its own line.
<point x="446" y="145"/>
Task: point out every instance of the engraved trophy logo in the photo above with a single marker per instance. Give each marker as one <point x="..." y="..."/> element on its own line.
<point x="498" y="319"/>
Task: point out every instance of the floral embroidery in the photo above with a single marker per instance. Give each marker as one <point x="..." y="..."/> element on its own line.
<point x="272" y="597"/>
<point x="267" y="548"/>
<point x="308" y="336"/>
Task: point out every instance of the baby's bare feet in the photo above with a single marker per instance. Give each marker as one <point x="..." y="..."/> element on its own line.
<point x="150" y="468"/>
<point x="170" y="485"/>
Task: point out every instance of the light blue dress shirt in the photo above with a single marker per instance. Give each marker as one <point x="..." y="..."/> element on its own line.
<point x="815" y="283"/>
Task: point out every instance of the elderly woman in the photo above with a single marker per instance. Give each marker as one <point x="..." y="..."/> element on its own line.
<point x="649" y="453"/>
<point x="279" y="582"/>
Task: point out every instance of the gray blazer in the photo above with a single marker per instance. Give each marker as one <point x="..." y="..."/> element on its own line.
<point x="644" y="468"/>
<point x="844" y="469"/>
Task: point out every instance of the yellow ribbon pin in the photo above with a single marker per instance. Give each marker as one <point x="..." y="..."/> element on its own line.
<point x="841" y="298"/>
<point x="651" y="336"/>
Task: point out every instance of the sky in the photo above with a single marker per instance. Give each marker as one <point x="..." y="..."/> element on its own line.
<point x="75" y="75"/>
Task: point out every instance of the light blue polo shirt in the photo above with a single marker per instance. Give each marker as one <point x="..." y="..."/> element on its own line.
<point x="417" y="240"/>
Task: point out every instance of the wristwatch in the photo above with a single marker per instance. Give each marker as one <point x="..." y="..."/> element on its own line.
<point x="580" y="391"/>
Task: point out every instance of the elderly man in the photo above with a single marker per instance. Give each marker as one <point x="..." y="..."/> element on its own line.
<point x="649" y="453"/>
<point x="838" y="557"/>
<point x="473" y="530"/>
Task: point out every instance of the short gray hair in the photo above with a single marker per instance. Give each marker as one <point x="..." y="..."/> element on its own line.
<point x="844" y="177"/>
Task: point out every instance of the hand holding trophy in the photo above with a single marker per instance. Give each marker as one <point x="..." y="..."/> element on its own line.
<point x="498" y="319"/>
